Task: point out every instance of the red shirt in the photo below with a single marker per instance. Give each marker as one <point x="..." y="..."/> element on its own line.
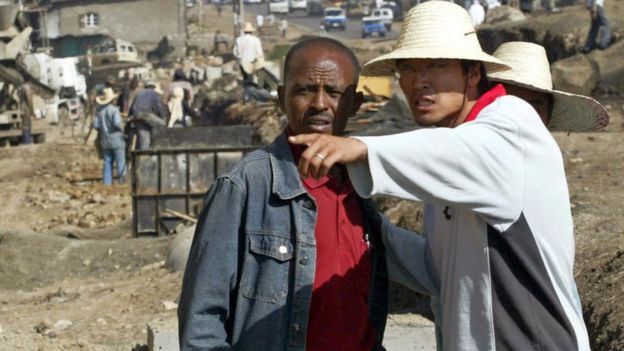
<point x="338" y="315"/>
<point x="497" y="91"/>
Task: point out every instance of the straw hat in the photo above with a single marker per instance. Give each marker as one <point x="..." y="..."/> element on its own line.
<point x="149" y="83"/>
<point x="530" y="69"/>
<point x="434" y="29"/>
<point x="106" y="96"/>
<point x="248" y="28"/>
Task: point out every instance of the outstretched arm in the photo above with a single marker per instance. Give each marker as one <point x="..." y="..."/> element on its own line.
<point x="477" y="166"/>
<point x="323" y="151"/>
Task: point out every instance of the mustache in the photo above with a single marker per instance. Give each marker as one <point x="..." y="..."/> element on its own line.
<point x="311" y="113"/>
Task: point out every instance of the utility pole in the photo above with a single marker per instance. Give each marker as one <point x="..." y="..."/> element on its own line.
<point x="239" y="16"/>
<point x="241" y="13"/>
<point x="182" y="29"/>
<point x="200" y="9"/>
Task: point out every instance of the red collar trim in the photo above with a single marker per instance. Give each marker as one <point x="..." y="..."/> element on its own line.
<point x="497" y="91"/>
<point x="297" y="150"/>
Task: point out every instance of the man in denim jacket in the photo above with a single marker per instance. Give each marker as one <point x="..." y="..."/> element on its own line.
<point x="281" y="262"/>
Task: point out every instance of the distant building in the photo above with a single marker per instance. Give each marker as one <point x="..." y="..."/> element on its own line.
<point x="139" y="21"/>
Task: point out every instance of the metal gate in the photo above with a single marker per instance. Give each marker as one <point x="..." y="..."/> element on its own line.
<point x="170" y="183"/>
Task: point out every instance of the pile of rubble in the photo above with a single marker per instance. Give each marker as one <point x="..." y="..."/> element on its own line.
<point x="80" y="207"/>
<point x="266" y="120"/>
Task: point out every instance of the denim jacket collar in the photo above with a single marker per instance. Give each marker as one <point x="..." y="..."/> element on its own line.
<point x="286" y="180"/>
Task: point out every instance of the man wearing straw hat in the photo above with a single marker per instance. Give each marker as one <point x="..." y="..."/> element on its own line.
<point x="497" y="251"/>
<point x="248" y="50"/>
<point x="110" y="133"/>
<point x="529" y="78"/>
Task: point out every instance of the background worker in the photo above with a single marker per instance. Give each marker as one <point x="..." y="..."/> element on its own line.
<point x="108" y="124"/>
<point x="147" y="113"/>
<point x="27" y="109"/>
<point x="248" y="51"/>
<point x="598" y="21"/>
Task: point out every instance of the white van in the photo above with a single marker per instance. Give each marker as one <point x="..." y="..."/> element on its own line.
<point x="298" y="5"/>
<point x="279" y="6"/>
<point x="113" y="51"/>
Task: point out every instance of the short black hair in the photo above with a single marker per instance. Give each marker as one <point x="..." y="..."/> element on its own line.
<point x="484" y="83"/>
<point x="323" y="42"/>
<point x="551" y="106"/>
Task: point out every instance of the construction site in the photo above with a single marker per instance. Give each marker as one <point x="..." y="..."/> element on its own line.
<point x="86" y="266"/>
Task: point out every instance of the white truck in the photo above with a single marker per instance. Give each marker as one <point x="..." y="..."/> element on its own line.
<point x="24" y="72"/>
<point x="62" y="75"/>
<point x="384" y="15"/>
<point x="301" y="5"/>
<point x="279" y="6"/>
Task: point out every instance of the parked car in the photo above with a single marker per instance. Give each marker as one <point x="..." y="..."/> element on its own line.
<point x="397" y="9"/>
<point x="385" y="15"/>
<point x="279" y="6"/>
<point x="334" y="18"/>
<point x="371" y="26"/>
<point x="113" y="51"/>
<point x="298" y="5"/>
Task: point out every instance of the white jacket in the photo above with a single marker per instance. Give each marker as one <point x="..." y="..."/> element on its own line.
<point x="498" y="248"/>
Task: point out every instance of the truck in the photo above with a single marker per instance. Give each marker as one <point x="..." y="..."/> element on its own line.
<point x="335" y="17"/>
<point x="371" y="25"/>
<point x="301" y="5"/>
<point x="14" y="40"/>
<point x="56" y="80"/>
<point x="384" y="15"/>
<point x="279" y="6"/>
<point x="68" y="103"/>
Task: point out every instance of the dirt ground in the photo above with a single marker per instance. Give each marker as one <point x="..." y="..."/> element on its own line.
<point x="72" y="277"/>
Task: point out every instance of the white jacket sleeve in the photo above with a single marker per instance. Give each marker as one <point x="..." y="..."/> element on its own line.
<point x="477" y="166"/>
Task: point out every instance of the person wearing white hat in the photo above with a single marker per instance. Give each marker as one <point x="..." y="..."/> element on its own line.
<point x="497" y="250"/>
<point x="248" y="51"/>
<point x="529" y="78"/>
<point x="110" y="134"/>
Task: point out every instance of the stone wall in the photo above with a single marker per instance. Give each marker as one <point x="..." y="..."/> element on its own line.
<point x="139" y="21"/>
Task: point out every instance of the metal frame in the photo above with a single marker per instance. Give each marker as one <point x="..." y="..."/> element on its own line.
<point x="188" y="195"/>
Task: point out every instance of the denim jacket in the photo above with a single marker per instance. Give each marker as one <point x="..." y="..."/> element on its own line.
<point x="248" y="281"/>
<point x="108" y="124"/>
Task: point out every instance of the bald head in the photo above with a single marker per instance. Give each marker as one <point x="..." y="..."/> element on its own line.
<point x="318" y="43"/>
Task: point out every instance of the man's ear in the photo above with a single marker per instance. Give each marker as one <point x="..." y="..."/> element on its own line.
<point x="474" y="74"/>
<point x="281" y="98"/>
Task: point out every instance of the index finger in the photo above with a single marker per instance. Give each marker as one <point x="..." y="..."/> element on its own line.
<point x="303" y="139"/>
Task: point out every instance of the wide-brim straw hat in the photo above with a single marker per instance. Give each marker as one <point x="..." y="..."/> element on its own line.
<point x="248" y="28"/>
<point x="530" y="69"/>
<point x="434" y="30"/>
<point x="106" y="96"/>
